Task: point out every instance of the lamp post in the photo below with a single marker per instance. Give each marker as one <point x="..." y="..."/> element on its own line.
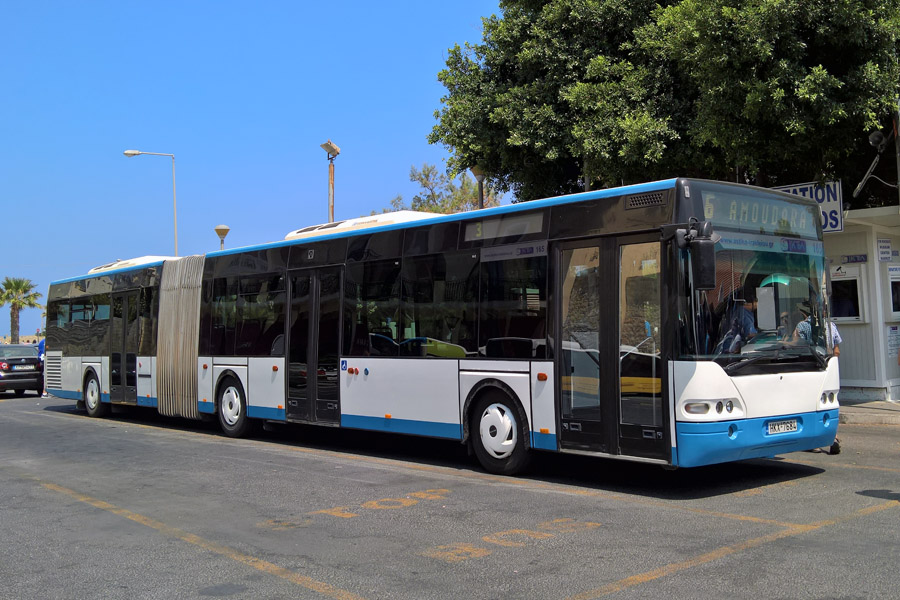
<point x="222" y="231"/>
<point x="879" y="142"/>
<point x="332" y="151"/>
<point x="130" y="153"/>
<point x="479" y="177"/>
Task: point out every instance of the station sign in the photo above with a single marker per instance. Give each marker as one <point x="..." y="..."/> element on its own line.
<point x="829" y="197"/>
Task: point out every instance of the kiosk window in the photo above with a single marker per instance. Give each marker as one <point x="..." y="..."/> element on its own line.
<point x="895" y="296"/>
<point x="845" y="298"/>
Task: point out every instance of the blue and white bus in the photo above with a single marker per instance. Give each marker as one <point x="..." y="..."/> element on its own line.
<point x="655" y="322"/>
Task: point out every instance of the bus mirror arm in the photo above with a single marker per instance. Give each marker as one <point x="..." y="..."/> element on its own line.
<point x="698" y="237"/>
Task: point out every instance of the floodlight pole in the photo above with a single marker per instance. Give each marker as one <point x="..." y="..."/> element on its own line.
<point x="479" y="177"/>
<point x="332" y="150"/>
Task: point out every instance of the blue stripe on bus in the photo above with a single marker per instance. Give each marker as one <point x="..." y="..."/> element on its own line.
<point x="640" y="188"/>
<point x="426" y="428"/>
<point x="208" y="408"/>
<point x="257" y="412"/>
<point x="68" y="395"/>
<point x="543" y="441"/>
<point x="724" y="441"/>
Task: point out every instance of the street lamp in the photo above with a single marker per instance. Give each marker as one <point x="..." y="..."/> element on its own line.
<point x="130" y="153"/>
<point x="332" y="151"/>
<point x="879" y="142"/>
<point x="222" y="231"/>
<point x="479" y="177"/>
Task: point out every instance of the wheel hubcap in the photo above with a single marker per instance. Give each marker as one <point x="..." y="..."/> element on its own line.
<point x="498" y="431"/>
<point x="231" y="405"/>
<point x="92" y="394"/>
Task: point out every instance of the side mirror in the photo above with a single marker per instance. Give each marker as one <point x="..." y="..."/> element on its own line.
<point x="703" y="263"/>
<point x="700" y="240"/>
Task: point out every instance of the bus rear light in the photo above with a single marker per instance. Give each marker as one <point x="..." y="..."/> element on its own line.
<point x="696" y="408"/>
<point x="274" y="368"/>
<point x="4" y="366"/>
<point x="542" y="377"/>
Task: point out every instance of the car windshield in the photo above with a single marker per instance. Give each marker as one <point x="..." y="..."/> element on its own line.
<point x="768" y="306"/>
<point x="17" y="351"/>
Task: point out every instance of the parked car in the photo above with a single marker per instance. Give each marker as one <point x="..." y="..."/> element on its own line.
<point x="21" y="369"/>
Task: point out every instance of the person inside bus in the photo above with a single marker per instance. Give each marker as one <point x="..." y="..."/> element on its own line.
<point x="739" y="322"/>
<point x="785" y="332"/>
<point x="803" y="330"/>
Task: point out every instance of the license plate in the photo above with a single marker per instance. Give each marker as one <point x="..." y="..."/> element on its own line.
<point x="782" y="426"/>
<point x="23" y="367"/>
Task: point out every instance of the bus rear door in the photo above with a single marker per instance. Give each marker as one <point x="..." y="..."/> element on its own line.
<point x="314" y="346"/>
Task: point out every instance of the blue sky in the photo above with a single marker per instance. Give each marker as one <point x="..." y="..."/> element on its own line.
<point x="241" y="93"/>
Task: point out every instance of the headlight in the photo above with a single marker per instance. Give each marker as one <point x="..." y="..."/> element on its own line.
<point x="696" y="408"/>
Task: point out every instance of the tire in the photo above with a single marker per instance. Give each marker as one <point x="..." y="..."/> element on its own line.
<point x="231" y="403"/>
<point x="90" y="395"/>
<point x="499" y="435"/>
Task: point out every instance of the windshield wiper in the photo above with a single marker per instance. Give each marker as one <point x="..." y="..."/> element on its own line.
<point x="820" y="360"/>
<point x="740" y="364"/>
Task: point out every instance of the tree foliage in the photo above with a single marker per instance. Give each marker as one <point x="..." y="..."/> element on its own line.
<point x="19" y="294"/>
<point x="441" y="193"/>
<point x="562" y="94"/>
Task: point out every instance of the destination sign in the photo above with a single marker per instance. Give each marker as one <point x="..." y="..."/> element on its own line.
<point x="760" y="214"/>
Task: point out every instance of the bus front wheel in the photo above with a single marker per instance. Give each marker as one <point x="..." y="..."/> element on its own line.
<point x="499" y="435"/>
<point x="90" y="395"/>
<point x="232" y="405"/>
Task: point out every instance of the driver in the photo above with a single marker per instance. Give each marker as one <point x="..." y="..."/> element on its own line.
<point x="741" y="322"/>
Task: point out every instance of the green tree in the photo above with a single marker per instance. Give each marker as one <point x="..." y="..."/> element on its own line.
<point x="18" y="293"/>
<point x="441" y="193"/>
<point x="784" y="90"/>
<point x="552" y="93"/>
<point x="565" y="94"/>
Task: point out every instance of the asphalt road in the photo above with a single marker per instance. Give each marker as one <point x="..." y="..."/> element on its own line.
<point x="139" y="506"/>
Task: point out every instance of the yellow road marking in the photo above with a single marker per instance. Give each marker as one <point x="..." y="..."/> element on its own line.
<point x="724" y="551"/>
<point x="214" y="547"/>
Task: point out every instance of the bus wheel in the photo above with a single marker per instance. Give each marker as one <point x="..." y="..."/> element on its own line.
<point x="232" y="406"/>
<point x="91" y="398"/>
<point x="499" y="440"/>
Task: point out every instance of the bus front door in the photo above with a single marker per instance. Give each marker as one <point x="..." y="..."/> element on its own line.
<point x="314" y="346"/>
<point x="124" y="340"/>
<point x="610" y="377"/>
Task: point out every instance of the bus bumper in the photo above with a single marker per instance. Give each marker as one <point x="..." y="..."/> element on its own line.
<point x="723" y="441"/>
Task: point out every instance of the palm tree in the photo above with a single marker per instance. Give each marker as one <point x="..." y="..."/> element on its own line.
<point x="18" y="293"/>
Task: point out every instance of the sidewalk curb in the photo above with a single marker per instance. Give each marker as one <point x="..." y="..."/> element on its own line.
<point x="868" y="419"/>
<point x="870" y="413"/>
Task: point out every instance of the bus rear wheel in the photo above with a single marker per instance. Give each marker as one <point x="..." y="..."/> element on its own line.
<point x="232" y="405"/>
<point x="498" y="435"/>
<point x="90" y="395"/>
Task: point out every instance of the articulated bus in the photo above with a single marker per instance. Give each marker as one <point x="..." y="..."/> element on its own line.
<point x="655" y="322"/>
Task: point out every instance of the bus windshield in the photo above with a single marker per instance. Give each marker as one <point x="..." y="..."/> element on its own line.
<point x="768" y="306"/>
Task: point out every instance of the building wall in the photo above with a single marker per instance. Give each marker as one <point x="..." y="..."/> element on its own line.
<point x="867" y="369"/>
